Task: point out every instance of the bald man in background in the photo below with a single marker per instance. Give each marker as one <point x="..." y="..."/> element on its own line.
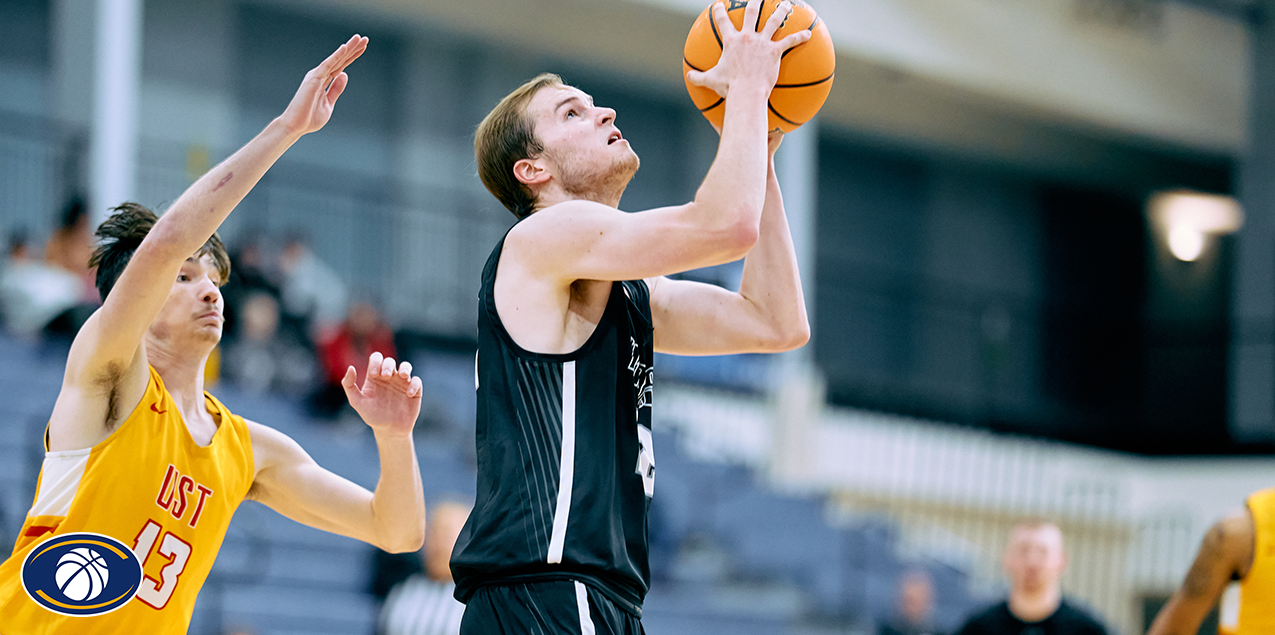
<point x="423" y="604"/>
<point x="1034" y="561"/>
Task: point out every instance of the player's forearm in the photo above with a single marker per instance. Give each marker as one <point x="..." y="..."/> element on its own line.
<point x="733" y="192"/>
<point x="771" y="281"/>
<point x="201" y="209"/>
<point x="398" y="504"/>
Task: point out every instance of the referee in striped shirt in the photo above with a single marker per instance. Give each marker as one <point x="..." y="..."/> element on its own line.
<point x="423" y="604"/>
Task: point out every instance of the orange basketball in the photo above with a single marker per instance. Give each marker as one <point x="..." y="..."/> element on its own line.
<point x="805" y="73"/>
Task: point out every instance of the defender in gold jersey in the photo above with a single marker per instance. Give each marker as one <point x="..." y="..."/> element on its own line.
<point x="1239" y="548"/>
<point x="143" y="468"/>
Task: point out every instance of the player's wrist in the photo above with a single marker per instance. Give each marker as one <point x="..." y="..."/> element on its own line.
<point x="391" y="435"/>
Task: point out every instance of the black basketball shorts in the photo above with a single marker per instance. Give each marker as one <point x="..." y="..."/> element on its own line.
<point x="557" y="607"/>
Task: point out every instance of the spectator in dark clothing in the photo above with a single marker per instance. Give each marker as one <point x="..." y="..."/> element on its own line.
<point x="1034" y="562"/>
<point x="914" y="613"/>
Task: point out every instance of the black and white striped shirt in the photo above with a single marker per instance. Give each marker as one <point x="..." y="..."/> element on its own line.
<point x="421" y="606"/>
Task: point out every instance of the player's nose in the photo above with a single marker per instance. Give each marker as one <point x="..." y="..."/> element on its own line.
<point x="606" y="115"/>
<point x="209" y="291"/>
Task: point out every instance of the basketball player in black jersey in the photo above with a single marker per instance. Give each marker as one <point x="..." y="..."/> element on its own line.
<point x="573" y="303"/>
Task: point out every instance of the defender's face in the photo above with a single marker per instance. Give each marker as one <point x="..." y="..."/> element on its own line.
<point x="194" y="308"/>
<point x="580" y="138"/>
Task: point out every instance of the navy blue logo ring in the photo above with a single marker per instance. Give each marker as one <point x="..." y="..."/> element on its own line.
<point x="81" y="574"/>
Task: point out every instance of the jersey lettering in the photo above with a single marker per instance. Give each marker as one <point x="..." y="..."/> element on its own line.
<point x="176" y="492"/>
<point x="646" y="460"/>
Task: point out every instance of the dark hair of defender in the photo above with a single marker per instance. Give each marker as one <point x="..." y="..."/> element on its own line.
<point x="122" y="233"/>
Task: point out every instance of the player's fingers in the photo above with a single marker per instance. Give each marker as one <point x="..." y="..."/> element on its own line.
<point x="387" y="367"/>
<point x="794" y="39"/>
<point x="695" y="77"/>
<point x="350" y="381"/>
<point x="414" y="389"/>
<point x="752" y="14"/>
<point x="776" y="20"/>
<point x="405" y="370"/>
<point x="374" y="365"/>
<point x="722" y="19"/>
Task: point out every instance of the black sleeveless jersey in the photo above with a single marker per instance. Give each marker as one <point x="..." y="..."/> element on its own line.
<point x="565" y="464"/>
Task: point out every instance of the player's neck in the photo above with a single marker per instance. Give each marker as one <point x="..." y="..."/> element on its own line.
<point x="553" y="195"/>
<point x="1034" y="607"/>
<point x="183" y="374"/>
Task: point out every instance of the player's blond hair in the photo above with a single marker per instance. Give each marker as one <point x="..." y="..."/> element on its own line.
<point x="506" y="136"/>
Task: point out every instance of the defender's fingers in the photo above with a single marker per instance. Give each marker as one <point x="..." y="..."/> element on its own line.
<point x="350" y="381"/>
<point x="374" y="365"/>
<point x="337" y="87"/>
<point x="387" y="367"/>
<point x="355" y="51"/>
<point x="776" y="20"/>
<point x="334" y="60"/>
<point x="341" y="57"/>
<point x="414" y="389"/>
<point x="405" y="370"/>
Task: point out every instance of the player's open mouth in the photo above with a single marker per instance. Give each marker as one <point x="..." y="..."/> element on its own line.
<point x="615" y="136"/>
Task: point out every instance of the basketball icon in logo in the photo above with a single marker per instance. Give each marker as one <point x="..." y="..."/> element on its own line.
<point x="81" y="574"/>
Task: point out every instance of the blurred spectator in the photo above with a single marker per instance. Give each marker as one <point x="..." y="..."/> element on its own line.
<point x="362" y="334"/>
<point x="914" y="613"/>
<point x="423" y="604"/>
<point x="260" y="358"/>
<point x="69" y="250"/>
<point x="71" y="245"/>
<point x="312" y="292"/>
<point x="33" y="293"/>
<point x="1034" y="561"/>
<point x="250" y="274"/>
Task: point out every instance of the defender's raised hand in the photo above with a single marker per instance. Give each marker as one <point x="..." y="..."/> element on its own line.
<point x="390" y="398"/>
<point x="748" y="53"/>
<point x="311" y="107"/>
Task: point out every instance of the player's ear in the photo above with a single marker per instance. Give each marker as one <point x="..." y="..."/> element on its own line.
<point x="531" y="171"/>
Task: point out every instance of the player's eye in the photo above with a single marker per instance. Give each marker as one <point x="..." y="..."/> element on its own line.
<point x="572" y="113"/>
<point x="181" y="277"/>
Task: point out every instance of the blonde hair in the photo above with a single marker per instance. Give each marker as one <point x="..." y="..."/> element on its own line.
<point x="504" y="137"/>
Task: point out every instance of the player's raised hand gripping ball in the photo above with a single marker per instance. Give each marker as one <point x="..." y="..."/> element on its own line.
<point x="805" y="72"/>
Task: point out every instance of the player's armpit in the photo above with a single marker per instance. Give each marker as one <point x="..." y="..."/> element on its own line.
<point x="583" y="240"/>
<point x="1225" y="554"/>
<point x="97" y="394"/>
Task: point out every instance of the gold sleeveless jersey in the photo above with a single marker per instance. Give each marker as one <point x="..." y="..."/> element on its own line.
<point x="148" y="486"/>
<point x="1252" y="609"/>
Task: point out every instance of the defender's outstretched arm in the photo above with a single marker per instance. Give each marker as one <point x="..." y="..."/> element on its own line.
<point x="107" y="355"/>
<point x="392" y="517"/>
